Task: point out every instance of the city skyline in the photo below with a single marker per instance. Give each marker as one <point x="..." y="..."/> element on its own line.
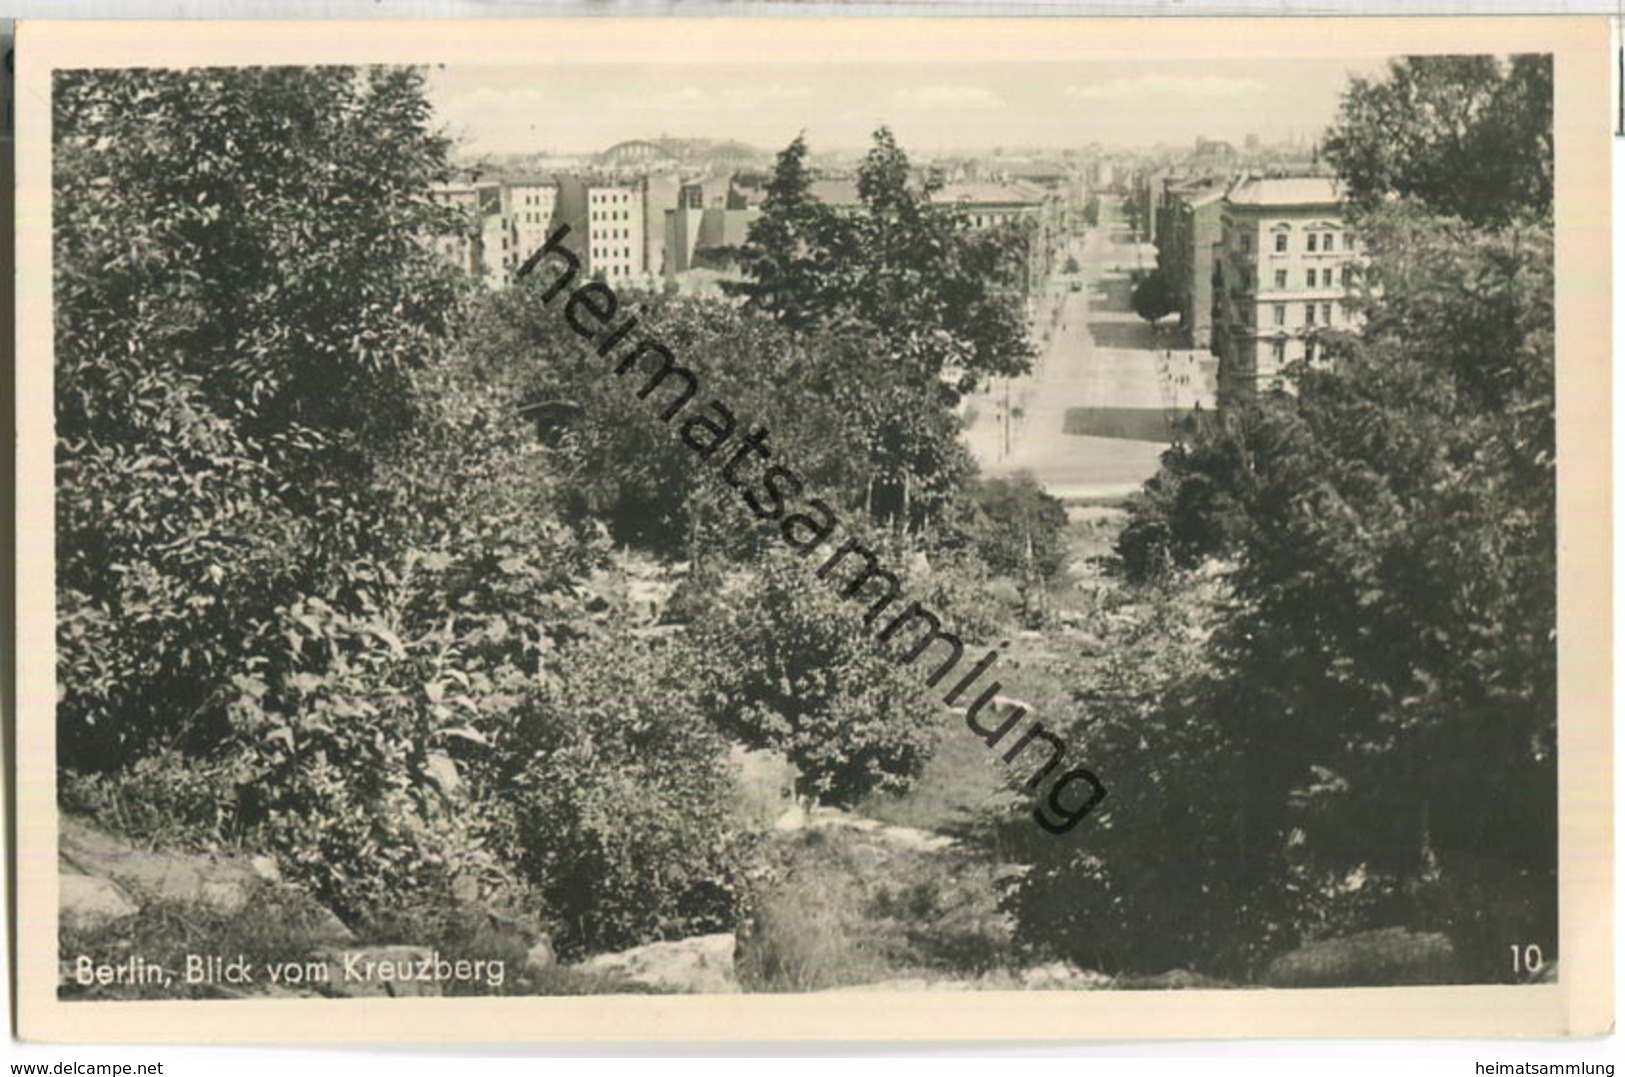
<point x="931" y="107"/>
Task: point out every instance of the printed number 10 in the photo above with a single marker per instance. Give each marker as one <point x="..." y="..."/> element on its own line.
<point x="1527" y="958"/>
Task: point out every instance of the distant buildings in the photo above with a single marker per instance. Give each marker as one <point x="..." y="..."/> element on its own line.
<point x="1187" y="231"/>
<point x="1283" y="268"/>
<point x="635" y="219"/>
<point x="710" y="217"/>
<point x="606" y="227"/>
<point x="464" y="246"/>
<point x="528" y="205"/>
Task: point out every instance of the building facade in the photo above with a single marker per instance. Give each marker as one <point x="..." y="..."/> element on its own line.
<point x="463" y="247"/>
<point x="1037" y="212"/>
<point x="1188" y="231"/>
<point x="528" y="204"/>
<point x="606" y="227"/>
<point x="479" y="244"/>
<point x="1283" y="270"/>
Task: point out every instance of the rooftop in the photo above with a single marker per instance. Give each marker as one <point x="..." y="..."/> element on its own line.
<point x="983" y="193"/>
<point x="1197" y="191"/>
<point x="1285" y="191"/>
<point x="842" y="192"/>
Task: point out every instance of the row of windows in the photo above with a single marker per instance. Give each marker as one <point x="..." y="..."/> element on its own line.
<point x="1308" y="314"/>
<point x="1324" y="242"/>
<point x="615" y="233"/>
<point x="611" y="215"/>
<point x="1317" y="278"/>
<point x="611" y="252"/>
<point x="1278" y="353"/>
<point x="1314" y="242"/>
<point x="535" y="200"/>
<point x="610" y="196"/>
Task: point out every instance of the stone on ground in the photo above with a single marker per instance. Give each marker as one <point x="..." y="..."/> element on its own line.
<point x="88" y="902"/>
<point x="702" y="965"/>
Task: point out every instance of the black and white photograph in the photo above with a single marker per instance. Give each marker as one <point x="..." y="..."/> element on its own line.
<point x="843" y="514"/>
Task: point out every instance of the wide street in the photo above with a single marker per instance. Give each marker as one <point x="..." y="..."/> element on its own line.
<point x="1090" y="421"/>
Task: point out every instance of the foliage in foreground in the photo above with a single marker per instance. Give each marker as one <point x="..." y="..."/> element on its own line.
<point x="1318" y="764"/>
<point x="835" y="908"/>
<point x="220" y="398"/>
<point x="314" y="578"/>
<point x="622" y="801"/>
<point x="790" y="664"/>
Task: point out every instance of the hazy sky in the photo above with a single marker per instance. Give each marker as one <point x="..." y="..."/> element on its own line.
<point x="587" y="108"/>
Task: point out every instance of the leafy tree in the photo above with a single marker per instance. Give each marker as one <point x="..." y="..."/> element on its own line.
<point x="1388" y="635"/>
<point x="242" y="294"/>
<point x="1469" y="136"/>
<point x="622" y="800"/>
<point x="935" y="295"/>
<point x="790" y="666"/>
<point x="1153" y="298"/>
<point x="1018" y="530"/>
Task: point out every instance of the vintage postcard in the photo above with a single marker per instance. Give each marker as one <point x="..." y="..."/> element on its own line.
<point x="786" y="529"/>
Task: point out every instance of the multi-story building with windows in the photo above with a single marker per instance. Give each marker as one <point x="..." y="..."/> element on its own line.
<point x="1283" y="269"/>
<point x="606" y="227"/>
<point x="527" y="208"/>
<point x="463" y="245"/>
<point x="1188" y="227"/>
<point x="479" y="243"/>
<point x="704" y="224"/>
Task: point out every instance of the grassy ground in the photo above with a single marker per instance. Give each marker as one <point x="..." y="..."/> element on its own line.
<point x="962" y="782"/>
<point x="965" y="780"/>
<point x="840" y="908"/>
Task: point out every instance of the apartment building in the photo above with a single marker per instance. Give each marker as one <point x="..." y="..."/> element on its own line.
<point x="695" y="227"/>
<point x="463" y="247"/>
<point x="479" y="245"/>
<point x="1282" y="272"/>
<point x="1188" y="230"/>
<point x="606" y="227"/>
<point x="528" y="203"/>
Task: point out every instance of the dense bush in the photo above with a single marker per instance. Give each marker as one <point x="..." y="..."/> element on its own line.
<point x="1388" y="636"/>
<point x="1154" y="297"/>
<point x="1017" y="530"/>
<point x="240" y="300"/>
<point x="790" y="664"/>
<point x="838" y="908"/>
<point x="622" y="799"/>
